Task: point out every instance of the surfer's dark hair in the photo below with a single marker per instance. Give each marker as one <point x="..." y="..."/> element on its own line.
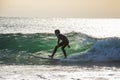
<point x="57" y="31"/>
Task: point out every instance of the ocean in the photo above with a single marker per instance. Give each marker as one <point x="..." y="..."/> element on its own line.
<point x="91" y="40"/>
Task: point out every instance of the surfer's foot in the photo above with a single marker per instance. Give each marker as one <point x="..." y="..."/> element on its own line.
<point x="50" y="56"/>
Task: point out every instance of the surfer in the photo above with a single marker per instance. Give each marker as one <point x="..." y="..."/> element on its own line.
<point x="64" y="42"/>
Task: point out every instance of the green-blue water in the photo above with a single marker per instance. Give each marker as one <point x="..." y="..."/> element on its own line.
<point x="18" y="48"/>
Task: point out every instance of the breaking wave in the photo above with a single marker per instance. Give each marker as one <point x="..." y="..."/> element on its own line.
<point x="103" y="50"/>
<point x="18" y="48"/>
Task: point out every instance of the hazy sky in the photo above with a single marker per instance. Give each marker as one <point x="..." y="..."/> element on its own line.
<point x="61" y="8"/>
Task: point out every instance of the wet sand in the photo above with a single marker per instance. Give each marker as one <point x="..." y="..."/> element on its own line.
<point x="58" y="72"/>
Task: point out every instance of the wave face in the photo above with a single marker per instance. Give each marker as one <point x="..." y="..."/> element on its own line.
<point x="19" y="48"/>
<point x="103" y="50"/>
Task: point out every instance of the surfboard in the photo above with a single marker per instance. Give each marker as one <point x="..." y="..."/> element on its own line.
<point x="48" y="58"/>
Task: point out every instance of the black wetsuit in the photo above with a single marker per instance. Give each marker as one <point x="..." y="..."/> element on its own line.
<point x="64" y="39"/>
<point x="64" y="42"/>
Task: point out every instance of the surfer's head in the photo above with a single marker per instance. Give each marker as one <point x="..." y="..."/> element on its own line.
<point x="57" y="32"/>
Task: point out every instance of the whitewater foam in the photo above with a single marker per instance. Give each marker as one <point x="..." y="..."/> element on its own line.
<point x="103" y="50"/>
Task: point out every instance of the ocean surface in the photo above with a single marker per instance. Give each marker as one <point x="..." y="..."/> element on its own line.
<point x="91" y="40"/>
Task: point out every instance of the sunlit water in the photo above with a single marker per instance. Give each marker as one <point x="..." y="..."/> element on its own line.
<point x="91" y="40"/>
<point x="93" y="27"/>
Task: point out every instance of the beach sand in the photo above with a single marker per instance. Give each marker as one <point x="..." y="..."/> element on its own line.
<point x="58" y="72"/>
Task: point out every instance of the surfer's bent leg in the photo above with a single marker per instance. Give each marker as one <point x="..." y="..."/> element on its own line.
<point x="63" y="49"/>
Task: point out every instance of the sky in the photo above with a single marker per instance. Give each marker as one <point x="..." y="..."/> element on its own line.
<point x="61" y="8"/>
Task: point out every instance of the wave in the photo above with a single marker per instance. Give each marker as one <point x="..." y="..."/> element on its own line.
<point x="103" y="50"/>
<point x="18" y="48"/>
